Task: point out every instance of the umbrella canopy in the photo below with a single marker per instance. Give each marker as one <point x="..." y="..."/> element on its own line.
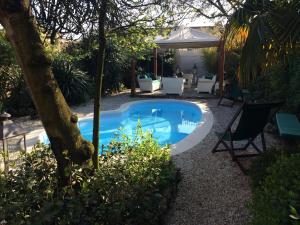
<point x="186" y="37"/>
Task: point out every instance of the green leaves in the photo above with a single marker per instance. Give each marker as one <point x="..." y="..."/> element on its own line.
<point x="7" y="56"/>
<point x="73" y="82"/>
<point x="135" y="41"/>
<point x="294" y="214"/>
<point x="277" y="191"/>
<point x="13" y="91"/>
<point x="280" y="82"/>
<point x="273" y="33"/>
<point x="132" y="187"/>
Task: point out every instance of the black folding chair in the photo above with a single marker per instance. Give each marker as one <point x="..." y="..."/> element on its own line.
<point x="253" y="119"/>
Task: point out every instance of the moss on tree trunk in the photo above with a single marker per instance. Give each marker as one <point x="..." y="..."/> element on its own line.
<point x="60" y="125"/>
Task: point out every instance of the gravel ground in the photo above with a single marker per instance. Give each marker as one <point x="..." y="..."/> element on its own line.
<point x="213" y="190"/>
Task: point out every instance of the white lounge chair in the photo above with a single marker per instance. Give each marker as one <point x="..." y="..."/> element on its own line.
<point x="173" y="85"/>
<point x="206" y="85"/>
<point x="149" y="85"/>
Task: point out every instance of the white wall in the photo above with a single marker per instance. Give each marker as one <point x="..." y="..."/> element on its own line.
<point x="186" y="58"/>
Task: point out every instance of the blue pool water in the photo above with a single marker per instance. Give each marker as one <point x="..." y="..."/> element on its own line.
<point x="169" y="121"/>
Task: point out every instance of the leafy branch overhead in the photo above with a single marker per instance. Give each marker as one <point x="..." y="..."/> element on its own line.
<point x="218" y="10"/>
<point x="74" y="19"/>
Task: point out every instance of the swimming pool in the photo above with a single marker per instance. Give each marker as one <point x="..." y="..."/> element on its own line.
<point x="170" y="121"/>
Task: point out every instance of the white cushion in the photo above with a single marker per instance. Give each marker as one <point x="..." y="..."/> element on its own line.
<point x="205" y="85"/>
<point x="173" y="85"/>
<point x="147" y="84"/>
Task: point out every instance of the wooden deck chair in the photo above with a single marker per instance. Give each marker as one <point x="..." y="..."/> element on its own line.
<point x="253" y="119"/>
<point x="232" y="93"/>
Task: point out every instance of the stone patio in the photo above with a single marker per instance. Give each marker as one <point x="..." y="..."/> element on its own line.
<point x="213" y="190"/>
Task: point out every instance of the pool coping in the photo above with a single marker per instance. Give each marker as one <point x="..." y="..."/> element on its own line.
<point x="200" y="132"/>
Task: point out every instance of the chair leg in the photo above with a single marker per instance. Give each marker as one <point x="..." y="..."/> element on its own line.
<point x="226" y="146"/>
<point x="242" y="168"/>
<point x="231" y="151"/>
<point x="215" y="149"/>
<point x="256" y="148"/>
<point x="263" y="141"/>
<point x="220" y="100"/>
<point x="248" y="143"/>
<point x="216" y="146"/>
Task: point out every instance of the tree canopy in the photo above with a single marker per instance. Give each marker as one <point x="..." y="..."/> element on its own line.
<point x="72" y="19"/>
<point x="216" y="10"/>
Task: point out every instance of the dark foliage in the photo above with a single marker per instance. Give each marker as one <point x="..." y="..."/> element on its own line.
<point x="231" y="65"/>
<point x="14" y="93"/>
<point x="74" y="83"/>
<point x="133" y="186"/>
<point x="276" y="189"/>
<point x="116" y="66"/>
<point x="281" y="82"/>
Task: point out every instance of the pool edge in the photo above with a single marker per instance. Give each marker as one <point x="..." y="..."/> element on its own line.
<point x="200" y="132"/>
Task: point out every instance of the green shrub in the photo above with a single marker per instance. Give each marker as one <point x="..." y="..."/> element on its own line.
<point x="259" y="167"/>
<point x="231" y="63"/>
<point x="132" y="186"/>
<point x="167" y="63"/>
<point x="14" y="93"/>
<point x="74" y="83"/>
<point x="7" y="81"/>
<point x="116" y="67"/>
<point x="7" y="56"/>
<point x="258" y="171"/>
<point x="211" y="60"/>
<point x="277" y="192"/>
<point x="280" y="82"/>
<point x="271" y="86"/>
<point x="1" y="107"/>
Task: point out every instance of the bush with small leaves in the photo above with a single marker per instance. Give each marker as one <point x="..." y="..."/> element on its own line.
<point x="14" y="92"/>
<point x="277" y="192"/>
<point x="132" y="186"/>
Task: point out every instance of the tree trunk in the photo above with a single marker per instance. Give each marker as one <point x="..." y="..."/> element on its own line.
<point x="155" y="62"/>
<point x="221" y="62"/>
<point x="60" y="125"/>
<point x="98" y="81"/>
<point x="133" y="77"/>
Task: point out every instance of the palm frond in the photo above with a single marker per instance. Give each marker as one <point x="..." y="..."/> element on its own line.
<point x="273" y="33"/>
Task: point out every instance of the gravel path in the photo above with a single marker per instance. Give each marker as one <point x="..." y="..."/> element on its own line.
<point x="213" y="190"/>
